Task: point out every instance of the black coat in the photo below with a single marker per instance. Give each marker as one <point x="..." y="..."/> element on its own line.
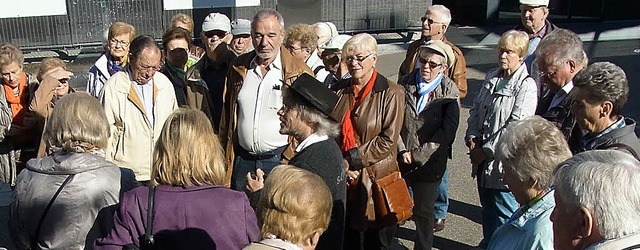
<point x="623" y="139"/>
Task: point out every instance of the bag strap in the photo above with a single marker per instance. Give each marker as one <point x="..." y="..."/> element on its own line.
<point x="148" y="230"/>
<point x="46" y="210"/>
<point x="315" y="71"/>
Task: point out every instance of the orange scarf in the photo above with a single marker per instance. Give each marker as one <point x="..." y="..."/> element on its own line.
<point x="348" y="131"/>
<point x="18" y="103"/>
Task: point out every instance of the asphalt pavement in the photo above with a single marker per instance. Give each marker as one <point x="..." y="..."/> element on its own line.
<point x="617" y="42"/>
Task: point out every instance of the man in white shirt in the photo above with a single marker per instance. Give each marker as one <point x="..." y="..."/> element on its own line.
<point x="249" y="125"/>
<point x="137" y="102"/>
<point x="559" y="58"/>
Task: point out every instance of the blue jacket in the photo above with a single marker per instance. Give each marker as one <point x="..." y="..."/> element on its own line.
<point x="532" y="230"/>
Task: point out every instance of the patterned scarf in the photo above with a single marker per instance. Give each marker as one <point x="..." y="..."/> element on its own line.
<point x="113" y="67"/>
<point x="348" y="131"/>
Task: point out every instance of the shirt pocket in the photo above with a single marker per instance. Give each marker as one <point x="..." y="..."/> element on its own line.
<point x="275" y="99"/>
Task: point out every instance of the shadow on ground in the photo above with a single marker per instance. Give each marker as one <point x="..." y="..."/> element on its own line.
<point x="438" y="242"/>
<point x="469" y="211"/>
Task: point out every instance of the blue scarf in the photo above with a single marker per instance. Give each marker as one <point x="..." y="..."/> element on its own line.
<point x="424" y="88"/>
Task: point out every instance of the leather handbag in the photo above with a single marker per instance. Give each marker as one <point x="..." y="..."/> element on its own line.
<point x="391" y="199"/>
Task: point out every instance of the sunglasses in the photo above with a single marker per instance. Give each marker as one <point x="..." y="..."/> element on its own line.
<point x="431" y="64"/>
<point x="429" y="20"/>
<point x="218" y="33"/>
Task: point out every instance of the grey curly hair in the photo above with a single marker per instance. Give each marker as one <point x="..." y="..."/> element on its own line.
<point x="605" y="81"/>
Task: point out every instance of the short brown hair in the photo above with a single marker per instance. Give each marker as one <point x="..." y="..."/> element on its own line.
<point x="302" y="33"/>
<point x="121" y="28"/>
<point x="294" y="205"/>
<point x="188" y="153"/>
<point x="10" y="53"/>
<point x="184" y="18"/>
<point x="49" y="64"/>
<point x="175" y="33"/>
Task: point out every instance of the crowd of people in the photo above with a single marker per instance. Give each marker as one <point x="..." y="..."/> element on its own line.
<point x="274" y="138"/>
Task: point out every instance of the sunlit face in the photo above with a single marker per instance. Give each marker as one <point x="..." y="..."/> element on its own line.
<point x="588" y="113"/>
<point x="267" y="35"/>
<point x="430" y="65"/>
<point x="63" y="84"/>
<point x="331" y="60"/>
<point x="145" y="65"/>
<point x="176" y="50"/>
<point x="298" y="51"/>
<point x="432" y="27"/>
<point x="290" y="121"/>
<point x="533" y="18"/>
<point x="566" y="225"/>
<point x="11" y="74"/>
<point x="509" y="59"/>
<point x="360" y="63"/>
<point x="119" y="45"/>
<point x="211" y="39"/>
<point x="554" y="76"/>
<point x="241" y="44"/>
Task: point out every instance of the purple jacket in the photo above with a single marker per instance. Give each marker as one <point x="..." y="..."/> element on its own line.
<point x="197" y="217"/>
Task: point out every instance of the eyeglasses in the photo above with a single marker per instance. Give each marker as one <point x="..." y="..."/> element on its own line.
<point x="547" y="74"/>
<point x="357" y="59"/>
<point x="218" y="33"/>
<point x="116" y="42"/>
<point x="431" y="64"/>
<point x="149" y="68"/>
<point x="291" y="48"/>
<point x="429" y="20"/>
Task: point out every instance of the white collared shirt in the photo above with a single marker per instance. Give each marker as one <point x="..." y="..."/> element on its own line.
<point x="259" y="100"/>
<point x="561" y="94"/>
<point x="311" y="139"/>
<point x="145" y="93"/>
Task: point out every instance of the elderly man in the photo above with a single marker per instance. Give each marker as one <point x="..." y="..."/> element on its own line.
<point x="597" y="198"/>
<point x="249" y="126"/>
<point x="241" y="41"/>
<point x="600" y="96"/>
<point x="324" y="32"/>
<point x="331" y="59"/>
<point x="559" y="58"/>
<point x="302" y="43"/>
<point x="533" y="14"/>
<point x="306" y="115"/>
<point x="212" y="68"/>
<point x="137" y="103"/>
<point x="434" y="25"/>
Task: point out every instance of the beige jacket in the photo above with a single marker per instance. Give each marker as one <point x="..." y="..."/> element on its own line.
<point x="132" y="137"/>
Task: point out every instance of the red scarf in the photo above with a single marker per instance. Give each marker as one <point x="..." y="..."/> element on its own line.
<point x="19" y="102"/>
<point x="348" y="131"/>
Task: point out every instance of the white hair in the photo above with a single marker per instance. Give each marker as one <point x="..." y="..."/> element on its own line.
<point x="443" y="13"/>
<point x="607" y="183"/>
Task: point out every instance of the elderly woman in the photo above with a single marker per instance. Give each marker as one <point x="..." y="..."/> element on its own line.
<point x="54" y="84"/>
<point x="192" y="208"/>
<point x="507" y="94"/>
<point x="529" y="150"/>
<point x="294" y="210"/>
<point x="431" y="118"/>
<point x="66" y="200"/>
<point x="600" y="95"/>
<point x="113" y="60"/>
<point x="302" y="42"/>
<point x="17" y="125"/>
<point x="371" y="109"/>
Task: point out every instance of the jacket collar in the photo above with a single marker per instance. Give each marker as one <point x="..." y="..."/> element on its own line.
<point x="72" y="163"/>
<point x="380" y="84"/>
<point x="547" y="202"/>
<point x="243" y="63"/>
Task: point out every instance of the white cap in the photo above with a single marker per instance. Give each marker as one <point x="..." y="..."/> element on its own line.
<point x="535" y="2"/>
<point x="241" y="27"/>
<point x="336" y="42"/>
<point x="216" y="21"/>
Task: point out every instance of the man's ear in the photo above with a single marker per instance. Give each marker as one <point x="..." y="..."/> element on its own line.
<point x="586" y="223"/>
<point x="573" y="67"/>
<point x="607" y="108"/>
<point x="313" y="240"/>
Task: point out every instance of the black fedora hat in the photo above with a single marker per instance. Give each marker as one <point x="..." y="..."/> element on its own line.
<point x="316" y="93"/>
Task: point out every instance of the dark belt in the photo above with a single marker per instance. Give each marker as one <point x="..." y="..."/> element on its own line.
<point x="240" y="151"/>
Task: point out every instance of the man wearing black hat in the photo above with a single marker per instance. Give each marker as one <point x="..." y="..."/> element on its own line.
<point x="306" y="115"/>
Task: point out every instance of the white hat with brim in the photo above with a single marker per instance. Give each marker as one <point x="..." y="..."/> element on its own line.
<point x="535" y="2"/>
<point x="216" y="21"/>
<point x="442" y="49"/>
<point x="336" y="42"/>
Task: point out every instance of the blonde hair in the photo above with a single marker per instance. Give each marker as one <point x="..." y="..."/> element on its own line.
<point x="302" y="33"/>
<point x="77" y="120"/>
<point x="10" y="53"/>
<point x="188" y="153"/>
<point x="294" y="205"/>
<point x="49" y="64"/>
<point x="121" y="28"/>
<point x="183" y="18"/>
<point x="514" y="40"/>
<point x="359" y="42"/>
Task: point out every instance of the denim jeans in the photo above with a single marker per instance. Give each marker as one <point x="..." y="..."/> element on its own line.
<point x="497" y="207"/>
<point x="442" y="201"/>
<point x="243" y="165"/>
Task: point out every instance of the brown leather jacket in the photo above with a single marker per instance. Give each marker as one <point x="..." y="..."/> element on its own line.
<point x="377" y="122"/>
<point x="291" y="69"/>
<point x="457" y="72"/>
